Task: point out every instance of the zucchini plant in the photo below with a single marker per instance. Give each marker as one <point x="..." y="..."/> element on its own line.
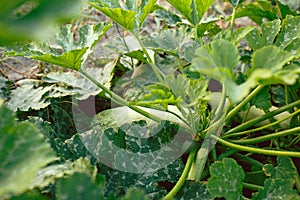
<point x="166" y="109"/>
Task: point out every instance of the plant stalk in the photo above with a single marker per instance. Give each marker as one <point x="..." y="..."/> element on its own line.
<point x="155" y="69"/>
<point x="262" y="127"/>
<point x="262" y="118"/>
<point x="119" y="99"/>
<point x="232" y="19"/>
<point x="255" y="150"/>
<point x="236" y="109"/>
<point x="267" y="137"/>
<point x="183" y="176"/>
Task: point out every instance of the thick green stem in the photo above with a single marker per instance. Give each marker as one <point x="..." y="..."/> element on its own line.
<point x="202" y="154"/>
<point x="183" y="176"/>
<point x="262" y="127"/>
<point x="119" y="99"/>
<point x="262" y="118"/>
<point x="236" y="109"/>
<point x="256" y="150"/>
<point x="267" y="137"/>
<point x="252" y="186"/>
<point x="155" y="69"/>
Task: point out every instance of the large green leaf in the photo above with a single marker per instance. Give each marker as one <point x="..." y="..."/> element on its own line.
<point x="23" y="153"/>
<point x="50" y="174"/>
<point x="284" y="35"/>
<point x="137" y="147"/>
<point x="289" y="33"/>
<point x="79" y="186"/>
<point x="129" y="15"/>
<point x="268" y="63"/>
<point x="216" y="60"/>
<point x="281" y="181"/>
<point x="24" y="20"/>
<point x="37" y="94"/>
<point x="193" y="191"/>
<point x="269" y="33"/>
<point x="226" y="179"/>
<point x="257" y="11"/>
<point x="271" y="57"/>
<point x="64" y="50"/>
<point x="169" y="40"/>
<point x="192" y="10"/>
<point x="137" y="139"/>
<point x="135" y="194"/>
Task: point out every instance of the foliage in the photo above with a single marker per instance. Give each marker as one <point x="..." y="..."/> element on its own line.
<point x="145" y="122"/>
<point x="34" y="19"/>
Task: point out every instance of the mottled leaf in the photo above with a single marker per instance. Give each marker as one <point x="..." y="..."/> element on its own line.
<point x="169" y="40"/>
<point x="50" y="174"/>
<point x="169" y="17"/>
<point x="226" y="179"/>
<point x="77" y="187"/>
<point x="135" y="194"/>
<point x="269" y="33"/>
<point x="193" y="191"/>
<point x="28" y="96"/>
<point x="217" y="59"/>
<point x="67" y="51"/>
<point x="290" y="31"/>
<point x="277" y="189"/>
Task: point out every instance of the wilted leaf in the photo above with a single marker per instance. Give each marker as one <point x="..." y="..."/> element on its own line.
<point x="226" y="179"/>
<point x="24" y="152"/>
